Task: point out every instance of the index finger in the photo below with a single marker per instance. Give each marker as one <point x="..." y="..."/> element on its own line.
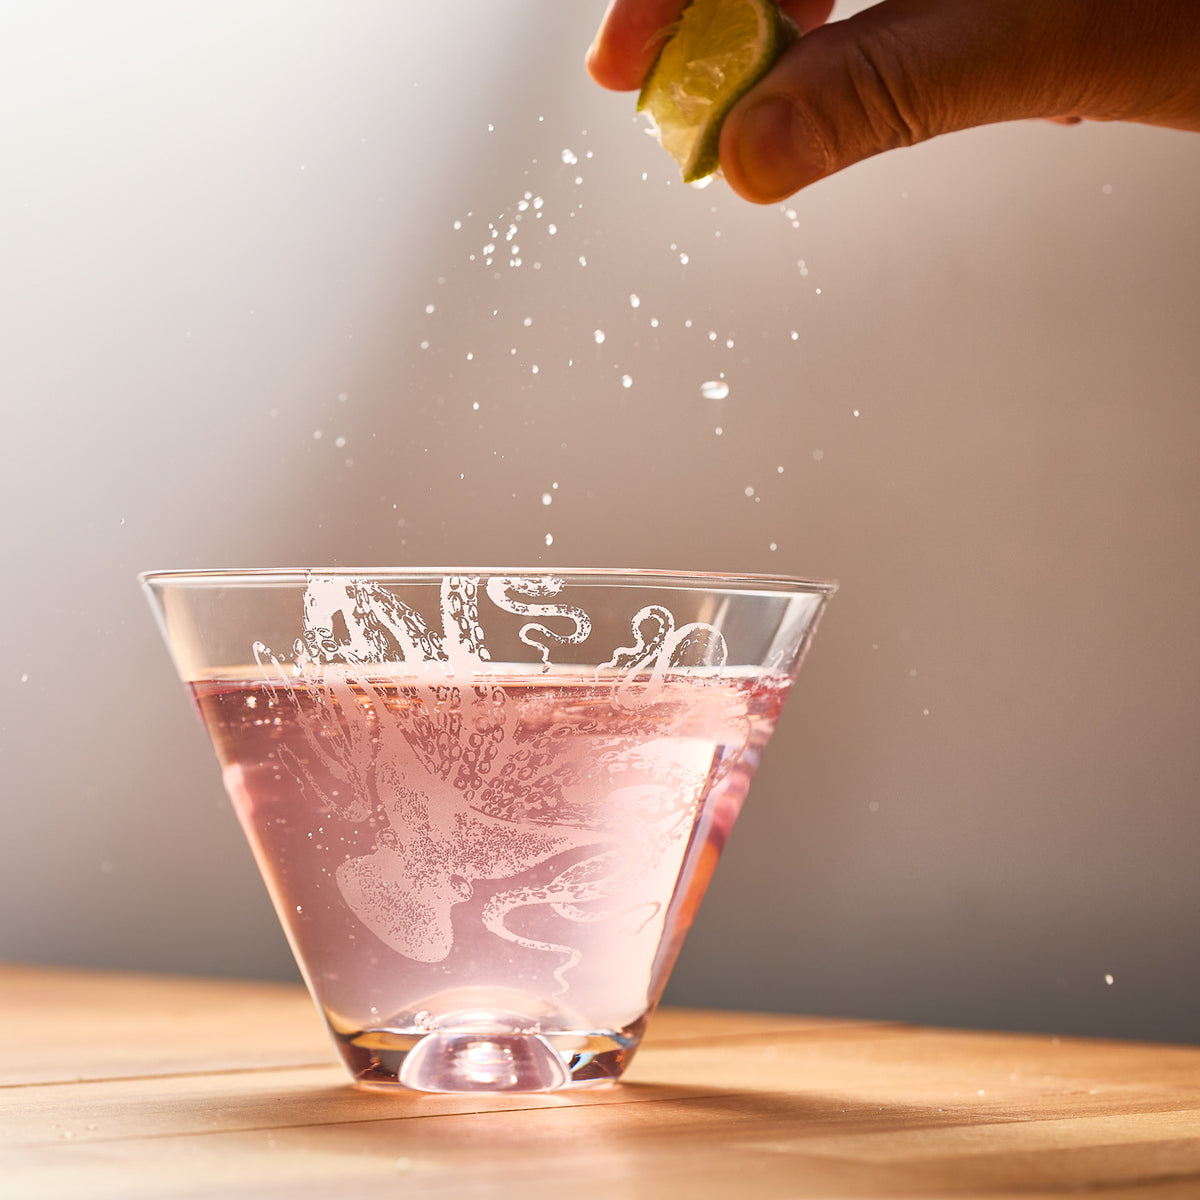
<point x="633" y="31"/>
<point x="629" y="39"/>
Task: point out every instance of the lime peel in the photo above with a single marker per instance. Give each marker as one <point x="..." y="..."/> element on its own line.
<point x="717" y="51"/>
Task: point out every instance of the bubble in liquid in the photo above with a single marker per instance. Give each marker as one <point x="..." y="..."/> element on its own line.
<point x="429" y="308"/>
<point x="549" y="539"/>
<point x="634" y="300"/>
<point x="547" y="498"/>
<point x="627" y="381"/>
<point x="599" y="336"/>
<point x="714" y="389"/>
<point x="569" y="158"/>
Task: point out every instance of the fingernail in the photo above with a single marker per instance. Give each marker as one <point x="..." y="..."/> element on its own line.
<point x="775" y="151"/>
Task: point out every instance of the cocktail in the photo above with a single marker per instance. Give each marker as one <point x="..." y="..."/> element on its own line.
<point x="486" y="803"/>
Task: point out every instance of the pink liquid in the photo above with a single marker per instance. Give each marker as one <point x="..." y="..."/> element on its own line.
<point x="521" y="857"/>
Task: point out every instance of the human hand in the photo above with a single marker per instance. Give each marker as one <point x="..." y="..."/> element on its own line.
<point x="904" y="71"/>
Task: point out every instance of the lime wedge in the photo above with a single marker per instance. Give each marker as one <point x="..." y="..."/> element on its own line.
<point x="717" y="52"/>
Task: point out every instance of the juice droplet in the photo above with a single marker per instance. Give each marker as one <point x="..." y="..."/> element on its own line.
<point x="714" y="389"/>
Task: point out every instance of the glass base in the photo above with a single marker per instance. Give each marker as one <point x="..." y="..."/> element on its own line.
<point x="493" y="1056"/>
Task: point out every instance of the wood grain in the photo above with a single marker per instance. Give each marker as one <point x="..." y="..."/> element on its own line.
<point x="138" y="1086"/>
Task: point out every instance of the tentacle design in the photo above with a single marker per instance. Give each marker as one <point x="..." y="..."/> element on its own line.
<point x="465" y="788"/>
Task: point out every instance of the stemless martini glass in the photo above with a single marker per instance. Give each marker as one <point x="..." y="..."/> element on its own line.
<point x="486" y="803"/>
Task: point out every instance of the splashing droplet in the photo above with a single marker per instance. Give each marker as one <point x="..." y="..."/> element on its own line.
<point x="714" y="389"/>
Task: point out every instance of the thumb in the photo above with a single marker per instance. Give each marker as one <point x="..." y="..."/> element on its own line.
<point x="892" y="75"/>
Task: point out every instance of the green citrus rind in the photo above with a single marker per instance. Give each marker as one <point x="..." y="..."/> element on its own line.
<point x="717" y="52"/>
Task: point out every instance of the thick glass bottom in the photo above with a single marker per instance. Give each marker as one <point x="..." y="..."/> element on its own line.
<point x="497" y="1053"/>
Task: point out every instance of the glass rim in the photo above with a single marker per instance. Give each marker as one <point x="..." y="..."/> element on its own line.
<point x="598" y="576"/>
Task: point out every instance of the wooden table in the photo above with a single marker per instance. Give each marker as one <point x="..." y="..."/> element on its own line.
<point x="141" y="1086"/>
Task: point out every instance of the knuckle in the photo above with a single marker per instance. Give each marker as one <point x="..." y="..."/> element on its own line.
<point x="880" y="87"/>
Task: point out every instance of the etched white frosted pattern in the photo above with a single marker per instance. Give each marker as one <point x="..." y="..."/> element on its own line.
<point x="453" y="841"/>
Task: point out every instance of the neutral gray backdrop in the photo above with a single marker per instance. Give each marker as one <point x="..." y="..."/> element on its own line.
<point x="248" y="317"/>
